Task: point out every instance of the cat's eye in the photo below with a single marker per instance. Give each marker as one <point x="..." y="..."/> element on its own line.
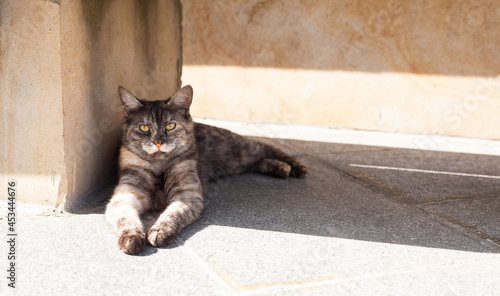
<point x="144" y="128"/>
<point x="170" y="126"/>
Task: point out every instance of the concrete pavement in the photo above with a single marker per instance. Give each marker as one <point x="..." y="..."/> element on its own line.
<point x="367" y="220"/>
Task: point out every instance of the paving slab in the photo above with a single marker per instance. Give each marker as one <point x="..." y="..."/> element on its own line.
<point x="479" y="215"/>
<point x="65" y="254"/>
<point x="461" y="277"/>
<point x="421" y="187"/>
<point x="325" y="203"/>
<point x="259" y="233"/>
<point x="257" y="261"/>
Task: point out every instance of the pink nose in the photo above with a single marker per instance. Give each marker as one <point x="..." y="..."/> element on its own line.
<point x="158" y="145"/>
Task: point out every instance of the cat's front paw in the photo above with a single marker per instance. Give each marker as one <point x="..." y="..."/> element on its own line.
<point x="160" y="236"/>
<point x="131" y="242"/>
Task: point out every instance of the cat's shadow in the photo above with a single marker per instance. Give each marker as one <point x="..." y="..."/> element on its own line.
<point x="148" y="251"/>
<point x="315" y="206"/>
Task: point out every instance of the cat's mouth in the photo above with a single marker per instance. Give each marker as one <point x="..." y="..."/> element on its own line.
<point x="158" y="148"/>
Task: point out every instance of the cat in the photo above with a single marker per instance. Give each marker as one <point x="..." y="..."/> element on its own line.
<point x="165" y="161"/>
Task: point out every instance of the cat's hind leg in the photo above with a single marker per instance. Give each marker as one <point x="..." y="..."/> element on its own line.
<point x="273" y="167"/>
<point x="297" y="168"/>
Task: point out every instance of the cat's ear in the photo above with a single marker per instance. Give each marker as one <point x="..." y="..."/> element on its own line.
<point x="182" y="98"/>
<point x="129" y="101"/>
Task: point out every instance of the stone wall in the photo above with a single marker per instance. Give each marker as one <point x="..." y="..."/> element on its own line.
<point x="31" y="110"/>
<point x="61" y="64"/>
<point x="424" y="67"/>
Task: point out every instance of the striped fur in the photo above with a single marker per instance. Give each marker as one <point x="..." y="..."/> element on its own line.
<point x="164" y="170"/>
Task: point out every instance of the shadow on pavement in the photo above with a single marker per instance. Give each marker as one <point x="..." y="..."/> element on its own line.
<point x="336" y="200"/>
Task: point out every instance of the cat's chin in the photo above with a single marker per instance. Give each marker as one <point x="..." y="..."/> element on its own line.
<point x="158" y="156"/>
<point x="157" y="153"/>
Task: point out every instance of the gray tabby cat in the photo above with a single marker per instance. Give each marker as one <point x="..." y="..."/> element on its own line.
<point x="166" y="158"/>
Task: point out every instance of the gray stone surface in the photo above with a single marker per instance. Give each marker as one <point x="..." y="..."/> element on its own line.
<point x="326" y="203"/>
<point x="460" y="277"/>
<point x="481" y="215"/>
<point x="78" y="254"/>
<point x="422" y="187"/>
<point x="332" y="233"/>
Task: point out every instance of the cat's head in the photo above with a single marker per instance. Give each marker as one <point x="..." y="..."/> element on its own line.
<point x="157" y="130"/>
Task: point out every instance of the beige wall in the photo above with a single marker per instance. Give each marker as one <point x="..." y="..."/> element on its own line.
<point x="31" y="109"/>
<point x="397" y="66"/>
<point x="61" y="64"/>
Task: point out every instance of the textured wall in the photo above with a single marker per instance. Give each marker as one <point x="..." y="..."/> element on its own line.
<point x="135" y="44"/>
<point x="31" y="108"/>
<point x="61" y="64"/>
<point x="397" y="66"/>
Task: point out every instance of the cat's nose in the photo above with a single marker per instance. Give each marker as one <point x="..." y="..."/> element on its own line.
<point x="158" y="144"/>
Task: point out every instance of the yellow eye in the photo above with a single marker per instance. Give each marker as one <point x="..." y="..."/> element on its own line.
<point x="144" y="128"/>
<point x="170" y="126"/>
